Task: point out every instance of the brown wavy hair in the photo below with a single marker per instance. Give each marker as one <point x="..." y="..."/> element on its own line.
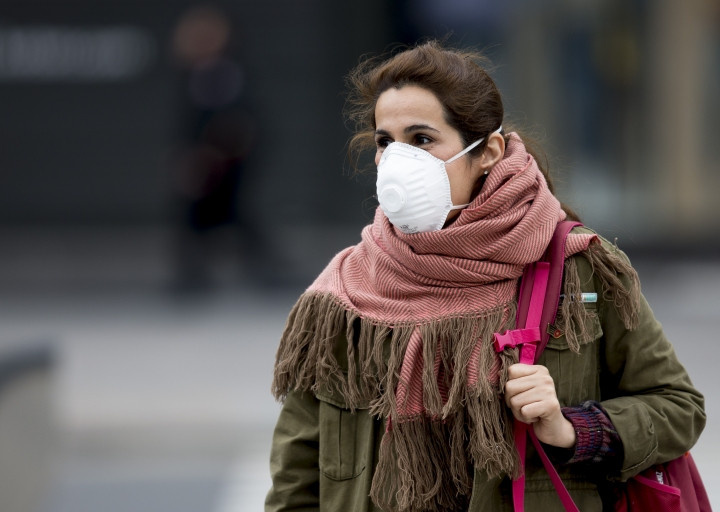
<point x="471" y="100"/>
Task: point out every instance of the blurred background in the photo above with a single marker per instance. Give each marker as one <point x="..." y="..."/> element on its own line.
<point x="173" y="174"/>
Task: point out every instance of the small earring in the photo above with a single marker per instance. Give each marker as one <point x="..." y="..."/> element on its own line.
<point x="486" y="172"/>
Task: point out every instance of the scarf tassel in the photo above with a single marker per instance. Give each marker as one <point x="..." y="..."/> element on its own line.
<point x="617" y="282"/>
<point x="412" y="469"/>
<point x="428" y="464"/>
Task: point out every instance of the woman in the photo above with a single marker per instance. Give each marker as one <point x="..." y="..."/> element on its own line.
<point x="394" y="398"/>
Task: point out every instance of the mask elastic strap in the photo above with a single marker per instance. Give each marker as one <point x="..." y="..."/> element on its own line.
<point x="471" y="147"/>
<point x="459" y="206"/>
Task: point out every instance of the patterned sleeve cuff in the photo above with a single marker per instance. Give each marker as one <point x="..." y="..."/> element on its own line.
<point x="597" y="439"/>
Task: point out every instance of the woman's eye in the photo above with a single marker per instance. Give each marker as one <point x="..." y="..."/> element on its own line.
<point x="382" y="142"/>
<point x="421" y="140"/>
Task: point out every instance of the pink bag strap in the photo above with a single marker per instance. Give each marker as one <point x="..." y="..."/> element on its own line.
<point x="538" y="301"/>
<point x="560" y="488"/>
<point x="528" y="338"/>
<point x="555" y="255"/>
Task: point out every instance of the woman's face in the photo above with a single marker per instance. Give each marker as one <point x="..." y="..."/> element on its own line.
<point x="414" y="115"/>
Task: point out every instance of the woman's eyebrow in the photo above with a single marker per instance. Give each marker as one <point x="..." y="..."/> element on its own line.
<point x="419" y="127"/>
<point x="409" y="129"/>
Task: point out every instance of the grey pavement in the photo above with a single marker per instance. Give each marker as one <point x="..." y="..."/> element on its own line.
<point x="162" y="402"/>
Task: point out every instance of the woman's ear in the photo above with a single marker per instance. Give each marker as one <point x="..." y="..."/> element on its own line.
<point x="494" y="151"/>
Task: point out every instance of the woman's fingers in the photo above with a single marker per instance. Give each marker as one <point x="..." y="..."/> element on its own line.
<point x="529" y="391"/>
<point x="530" y="394"/>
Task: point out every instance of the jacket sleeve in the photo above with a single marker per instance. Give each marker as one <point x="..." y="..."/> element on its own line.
<point x="294" y="456"/>
<point x="647" y="393"/>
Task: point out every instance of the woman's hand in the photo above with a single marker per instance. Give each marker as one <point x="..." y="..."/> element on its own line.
<point x="530" y="394"/>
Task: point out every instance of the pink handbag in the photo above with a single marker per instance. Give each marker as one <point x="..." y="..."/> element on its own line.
<point x="673" y="486"/>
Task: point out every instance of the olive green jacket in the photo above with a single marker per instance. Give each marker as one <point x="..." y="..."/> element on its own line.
<point x="323" y="456"/>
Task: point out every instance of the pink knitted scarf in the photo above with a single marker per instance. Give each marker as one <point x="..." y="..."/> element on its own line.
<point x="418" y="312"/>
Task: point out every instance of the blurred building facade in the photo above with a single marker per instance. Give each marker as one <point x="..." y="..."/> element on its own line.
<point x="621" y="94"/>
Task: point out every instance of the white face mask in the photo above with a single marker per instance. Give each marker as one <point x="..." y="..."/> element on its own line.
<point x="413" y="187"/>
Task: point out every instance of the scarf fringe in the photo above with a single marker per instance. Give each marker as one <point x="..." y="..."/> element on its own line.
<point x="465" y="424"/>
<point x="369" y="370"/>
<point x="412" y="469"/>
<point x="618" y="283"/>
<point x="417" y="455"/>
<point x="572" y="315"/>
<point x="304" y="357"/>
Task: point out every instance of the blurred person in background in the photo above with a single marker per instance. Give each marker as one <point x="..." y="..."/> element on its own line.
<point x="217" y="135"/>
<point x="393" y="395"/>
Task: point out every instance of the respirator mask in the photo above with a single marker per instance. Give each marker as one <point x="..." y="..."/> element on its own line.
<point x="413" y="188"/>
